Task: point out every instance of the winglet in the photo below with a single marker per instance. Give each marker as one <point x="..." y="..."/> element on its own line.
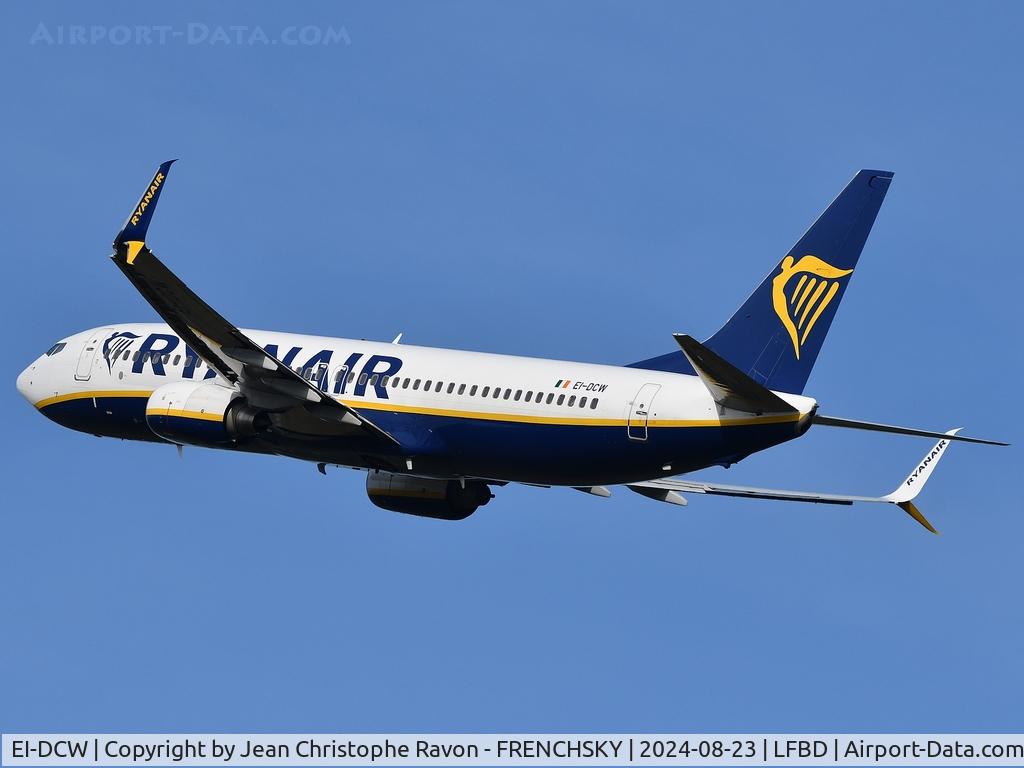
<point x="135" y="227"/>
<point x="914" y="512"/>
<point x="908" y="490"/>
<point x="915" y="481"/>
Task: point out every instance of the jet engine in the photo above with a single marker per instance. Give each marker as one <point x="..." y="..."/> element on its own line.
<point x="441" y="499"/>
<point x="204" y="414"/>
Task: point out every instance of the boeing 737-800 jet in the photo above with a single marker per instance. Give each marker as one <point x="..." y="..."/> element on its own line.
<point x="437" y="429"/>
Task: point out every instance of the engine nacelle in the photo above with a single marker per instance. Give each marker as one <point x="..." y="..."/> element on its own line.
<point x="205" y="414"/>
<point x="441" y="499"/>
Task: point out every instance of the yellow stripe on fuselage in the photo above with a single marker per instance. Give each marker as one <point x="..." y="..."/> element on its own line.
<point x="582" y="421"/>
<point x="513" y="418"/>
<point x="182" y="414"/>
<point x="95" y="393"/>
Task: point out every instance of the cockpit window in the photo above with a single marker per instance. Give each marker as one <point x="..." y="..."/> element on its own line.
<point x="55" y="349"/>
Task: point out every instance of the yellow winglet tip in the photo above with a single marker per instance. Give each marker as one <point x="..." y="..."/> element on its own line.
<point x="914" y="512"/>
<point x="134" y="247"/>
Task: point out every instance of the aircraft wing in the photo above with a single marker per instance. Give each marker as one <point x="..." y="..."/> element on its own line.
<point x="265" y="380"/>
<point x="668" y="489"/>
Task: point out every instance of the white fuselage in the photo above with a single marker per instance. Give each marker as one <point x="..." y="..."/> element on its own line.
<point x="560" y="422"/>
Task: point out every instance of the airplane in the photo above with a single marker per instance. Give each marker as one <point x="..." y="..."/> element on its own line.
<point x="436" y="430"/>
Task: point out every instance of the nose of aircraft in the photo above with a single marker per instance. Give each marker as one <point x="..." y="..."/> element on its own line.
<point x="24" y="383"/>
<point x="41" y="381"/>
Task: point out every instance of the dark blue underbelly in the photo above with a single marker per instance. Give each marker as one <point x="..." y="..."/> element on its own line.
<point x="572" y="454"/>
<point x="550" y="454"/>
<point x="123" y="417"/>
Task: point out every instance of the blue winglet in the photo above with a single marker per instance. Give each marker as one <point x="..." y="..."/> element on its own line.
<point x="137" y="225"/>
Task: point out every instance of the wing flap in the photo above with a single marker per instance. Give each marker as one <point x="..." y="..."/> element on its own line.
<point x="750" y="492"/>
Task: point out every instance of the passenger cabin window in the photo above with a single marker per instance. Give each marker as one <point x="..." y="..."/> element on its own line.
<point x="416" y="384"/>
<point x="551" y="396"/>
<point x="426" y="386"/>
<point x="384" y="381"/>
<point x="351" y="376"/>
<point x="395" y="382"/>
<point x="529" y="396"/>
<point x="56" y="348"/>
<point x="572" y="401"/>
<point x="451" y="387"/>
<point x="540" y="396"/>
<point x="373" y="380"/>
<point x="497" y="392"/>
<point x="508" y="393"/>
<point x="583" y="402"/>
<point x="486" y="392"/>
<point x="177" y="359"/>
<point x="593" y="404"/>
<point x="462" y="388"/>
<point x="437" y="387"/>
<point x="519" y="393"/>
<point x="127" y="354"/>
<point x="472" y="390"/>
<point x="561" y="399"/>
<point x="405" y="383"/>
<point x="362" y="379"/>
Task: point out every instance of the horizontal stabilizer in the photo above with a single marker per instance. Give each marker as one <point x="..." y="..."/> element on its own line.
<point x="832" y="421"/>
<point x="728" y="385"/>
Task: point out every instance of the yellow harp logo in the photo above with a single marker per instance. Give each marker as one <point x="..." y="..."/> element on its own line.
<point x="800" y="308"/>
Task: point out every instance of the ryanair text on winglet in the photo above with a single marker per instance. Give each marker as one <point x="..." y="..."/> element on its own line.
<point x="926" y="461"/>
<point x="144" y="202"/>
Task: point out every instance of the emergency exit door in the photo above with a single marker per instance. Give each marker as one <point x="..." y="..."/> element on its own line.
<point x="640" y="412"/>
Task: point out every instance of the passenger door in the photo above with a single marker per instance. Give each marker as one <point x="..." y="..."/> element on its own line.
<point x="87" y="357"/>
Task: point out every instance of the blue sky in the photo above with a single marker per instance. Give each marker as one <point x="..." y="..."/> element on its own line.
<point x="565" y="180"/>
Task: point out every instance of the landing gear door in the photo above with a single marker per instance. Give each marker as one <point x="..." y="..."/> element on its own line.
<point x="90" y="351"/>
<point x="640" y="411"/>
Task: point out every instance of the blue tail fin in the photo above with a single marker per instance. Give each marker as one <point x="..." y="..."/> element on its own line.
<point x="776" y="335"/>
